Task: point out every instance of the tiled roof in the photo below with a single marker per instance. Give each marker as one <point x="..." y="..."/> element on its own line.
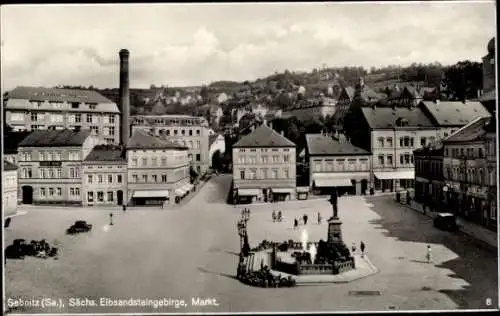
<point x="455" y="113"/>
<point x="472" y="131"/>
<point x="142" y="140"/>
<point x="264" y="136"/>
<point x="106" y="153"/>
<point x="318" y="144"/>
<point x="12" y="141"/>
<point x="8" y="166"/>
<point x="386" y="117"/>
<point x="55" y="138"/>
<point x="212" y="138"/>
<point x="433" y="149"/>
<point x="57" y="95"/>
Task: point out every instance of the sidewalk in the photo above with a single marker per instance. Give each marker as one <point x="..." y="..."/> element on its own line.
<point x="482" y="234"/>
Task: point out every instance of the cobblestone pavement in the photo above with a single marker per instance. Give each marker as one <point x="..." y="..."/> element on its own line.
<point x="191" y="251"/>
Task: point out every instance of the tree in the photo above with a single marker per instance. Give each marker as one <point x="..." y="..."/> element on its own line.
<point x="217" y="160"/>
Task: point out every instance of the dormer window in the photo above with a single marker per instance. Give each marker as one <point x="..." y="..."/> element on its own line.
<point x="75" y="105"/>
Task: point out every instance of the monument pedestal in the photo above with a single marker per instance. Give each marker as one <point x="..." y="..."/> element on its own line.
<point x="335" y="231"/>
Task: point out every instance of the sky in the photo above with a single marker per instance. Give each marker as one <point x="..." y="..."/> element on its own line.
<point x="193" y="44"/>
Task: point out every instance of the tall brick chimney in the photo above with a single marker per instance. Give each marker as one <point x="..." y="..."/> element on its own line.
<point x="124" y="98"/>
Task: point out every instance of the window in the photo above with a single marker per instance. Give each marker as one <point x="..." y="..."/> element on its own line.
<point x="242" y="174"/>
<point x="89" y="178"/>
<point x="100" y="196"/>
<point x="264" y="174"/>
<point x="119" y="178"/>
<point x="481" y="153"/>
<point x="111" y="119"/>
<point x="77" y="191"/>
<point x="51" y="191"/>
<point x="389" y="141"/>
<point x="183" y="132"/>
<point x="265" y="159"/>
<point x="144" y="161"/>
<point x="42" y="192"/>
<point x="190" y="132"/>
<point x="351" y="164"/>
<point x="155" y="178"/>
<point x="197" y="144"/>
<point x="198" y="132"/>
<point x="276" y="159"/>
<point x="110" y="178"/>
<point x="135" y="179"/>
<point x="144" y="178"/>
<point x="164" y="178"/>
<point x="78" y="118"/>
<point x="59" y="173"/>
<point x="111" y="131"/>
<point x="100" y="178"/>
<point x="381" y="142"/>
<point x="51" y="173"/>
<point x="154" y="161"/>
<point x="168" y="132"/>
<point x="95" y="130"/>
<point x="286" y="158"/>
<point x="110" y="196"/>
<point x="329" y="165"/>
<point x="59" y="191"/>
<point x="389" y="160"/>
<point x="407" y="158"/>
<point x="286" y="173"/>
<point x="317" y="165"/>
<point x="412" y="141"/>
<point x="42" y="173"/>
<point x="381" y="160"/>
<point x="274" y="174"/>
<point x="175" y="132"/>
<point x="401" y="159"/>
<point x="164" y="161"/>
<point x="34" y="117"/>
<point x="198" y="157"/>
<point x="423" y="141"/>
<point x="90" y="196"/>
<point x="89" y="118"/>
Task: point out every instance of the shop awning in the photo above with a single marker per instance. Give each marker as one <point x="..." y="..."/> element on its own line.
<point x="151" y="194"/>
<point x="248" y="192"/>
<point x="282" y="190"/>
<point x="395" y="175"/>
<point x="340" y="182"/>
<point x="331" y="180"/>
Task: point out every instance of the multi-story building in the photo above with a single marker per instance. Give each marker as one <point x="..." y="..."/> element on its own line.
<point x="468" y="174"/>
<point x="190" y="130"/>
<point x="30" y="108"/>
<point x="104" y="176"/>
<point x="342" y="107"/>
<point x="336" y="164"/>
<point x="50" y="165"/>
<point x="491" y="178"/>
<point x="217" y="143"/>
<point x="264" y="166"/>
<point x="9" y="186"/>
<point x="157" y="170"/>
<point x="11" y="143"/>
<point x="429" y="178"/>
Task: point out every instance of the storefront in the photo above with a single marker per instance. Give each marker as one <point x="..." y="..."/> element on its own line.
<point x="248" y="195"/>
<point x="282" y="194"/>
<point x="390" y="181"/>
<point x="302" y="193"/>
<point x="324" y="183"/>
<point x="150" y="198"/>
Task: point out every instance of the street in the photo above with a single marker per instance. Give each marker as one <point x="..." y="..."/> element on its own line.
<point x="191" y="252"/>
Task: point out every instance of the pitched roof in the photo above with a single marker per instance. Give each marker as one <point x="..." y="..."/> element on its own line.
<point x="349" y="91"/>
<point x="142" y="140"/>
<point x="106" y="153"/>
<point x="369" y="95"/>
<point x="386" y="117"/>
<point x="57" y="95"/>
<point x="472" y="131"/>
<point x="53" y="138"/>
<point x="12" y="141"/>
<point x="455" y="113"/>
<point x="212" y="138"/>
<point x="264" y="136"/>
<point x="433" y="149"/>
<point x="318" y="144"/>
<point x="8" y="166"/>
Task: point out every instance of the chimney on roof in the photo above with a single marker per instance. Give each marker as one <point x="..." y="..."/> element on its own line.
<point x="124" y="97"/>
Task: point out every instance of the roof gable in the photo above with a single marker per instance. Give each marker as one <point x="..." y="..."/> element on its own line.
<point x="470" y="132"/>
<point x="264" y="136"/>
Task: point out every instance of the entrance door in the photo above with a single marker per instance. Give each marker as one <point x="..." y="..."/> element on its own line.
<point x="27" y="194"/>
<point x="119" y="197"/>
<point x="364" y="186"/>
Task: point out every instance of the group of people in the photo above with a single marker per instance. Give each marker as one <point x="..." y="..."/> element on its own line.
<point x="362" y="247"/>
<point x="305" y="219"/>
<point x="277" y="217"/>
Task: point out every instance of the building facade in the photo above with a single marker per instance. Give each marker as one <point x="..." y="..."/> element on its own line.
<point x="9" y="187"/>
<point x="104" y="176"/>
<point x="157" y="170"/>
<point x="191" y="131"/>
<point x="50" y="166"/>
<point x="264" y="166"/>
<point x="429" y="178"/>
<point x="468" y="174"/>
<point x="29" y="108"/>
<point x="334" y="164"/>
<point x="217" y="143"/>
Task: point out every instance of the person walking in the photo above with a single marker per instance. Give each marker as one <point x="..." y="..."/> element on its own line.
<point x="353" y="248"/>
<point x="362" y="247"/>
<point x="274" y="216"/>
<point x="319" y="218"/>
<point x="295" y="224"/>
<point x="305" y="219"/>
<point x="110" y="219"/>
<point x="7" y="222"/>
<point x="280" y="217"/>
<point x="429" y="254"/>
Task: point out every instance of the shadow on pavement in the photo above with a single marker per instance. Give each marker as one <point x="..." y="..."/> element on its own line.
<point x="473" y="264"/>
<point x="218" y="273"/>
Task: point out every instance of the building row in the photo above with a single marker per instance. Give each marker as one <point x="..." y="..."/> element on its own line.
<point x="458" y="173"/>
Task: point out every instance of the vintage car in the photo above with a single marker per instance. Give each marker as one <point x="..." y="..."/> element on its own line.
<point x="446" y="221"/>
<point x="79" y="227"/>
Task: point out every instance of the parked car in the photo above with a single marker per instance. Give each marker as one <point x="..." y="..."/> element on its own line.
<point x="79" y="227"/>
<point x="446" y="221"/>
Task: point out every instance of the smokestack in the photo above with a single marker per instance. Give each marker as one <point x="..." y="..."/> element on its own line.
<point x="124" y="97"/>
